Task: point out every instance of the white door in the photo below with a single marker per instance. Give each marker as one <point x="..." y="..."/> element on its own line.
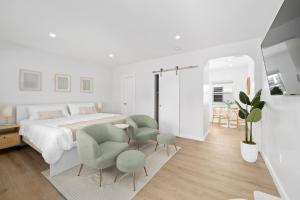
<point x="128" y="95"/>
<point x="169" y="103"/>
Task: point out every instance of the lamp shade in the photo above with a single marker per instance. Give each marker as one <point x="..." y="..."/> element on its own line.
<point x="7" y="111"/>
<point x="99" y="106"/>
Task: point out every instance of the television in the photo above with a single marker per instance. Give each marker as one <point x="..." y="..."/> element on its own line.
<point x="281" y="50"/>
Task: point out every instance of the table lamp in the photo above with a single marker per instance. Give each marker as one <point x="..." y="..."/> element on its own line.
<point x="7" y="112"/>
<point x="99" y="106"/>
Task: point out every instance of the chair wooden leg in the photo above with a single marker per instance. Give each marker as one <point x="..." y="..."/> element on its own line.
<point x="156" y="146"/>
<point x="145" y="171"/>
<point x="164" y="146"/>
<point x="116" y="176"/>
<point x="168" y="150"/>
<point x="128" y="140"/>
<point x="133" y="180"/>
<point x="175" y="146"/>
<point x="100" y="177"/>
<point x="138" y="146"/>
<point x="81" y="165"/>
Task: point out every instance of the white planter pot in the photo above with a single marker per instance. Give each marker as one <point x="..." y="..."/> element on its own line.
<point x="249" y="152"/>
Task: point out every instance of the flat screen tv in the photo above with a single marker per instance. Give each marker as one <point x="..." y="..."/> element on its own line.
<point x="281" y="50"/>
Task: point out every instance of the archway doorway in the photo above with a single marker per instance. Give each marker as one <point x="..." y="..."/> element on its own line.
<point x="224" y="78"/>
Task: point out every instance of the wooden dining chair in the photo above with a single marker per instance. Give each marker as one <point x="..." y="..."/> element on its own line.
<point x="217" y="111"/>
<point x="223" y="117"/>
<point x="233" y="117"/>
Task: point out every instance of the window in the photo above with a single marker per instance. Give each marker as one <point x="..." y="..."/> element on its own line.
<point x="218" y="94"/>
<point x="222" y="92"/>
<point x="276" y="83"/>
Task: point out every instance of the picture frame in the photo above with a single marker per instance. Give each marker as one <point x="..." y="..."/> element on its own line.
<point x="86" y="85"/>
<point x="30" y="80"/>
<point x="62" y="83"/>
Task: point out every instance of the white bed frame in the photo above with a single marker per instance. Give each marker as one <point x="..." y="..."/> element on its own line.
<point x="68" y="160"/>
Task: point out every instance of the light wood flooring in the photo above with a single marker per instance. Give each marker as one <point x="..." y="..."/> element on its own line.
<point x="210" y="170"/>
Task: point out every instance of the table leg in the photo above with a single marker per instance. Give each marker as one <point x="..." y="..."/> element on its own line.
<point x="116" y="176"/>
<point x="156" y="146"/>
<point x="145" y="171"/>
<point x="133" y="180"/>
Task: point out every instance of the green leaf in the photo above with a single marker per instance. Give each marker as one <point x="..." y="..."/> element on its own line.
<point x="258" y="93"/>
<point x="242" y="114"/>
<point x="255" y="101"/>
<point x="259" y="105"/>
<point x="244" y="98"/>
<point x="254" y="115"/>
<point x="256" y="98"/>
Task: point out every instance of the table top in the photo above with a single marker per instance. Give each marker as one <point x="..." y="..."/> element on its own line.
<point x="9" y="126"/>
<point x="121" y="126"/>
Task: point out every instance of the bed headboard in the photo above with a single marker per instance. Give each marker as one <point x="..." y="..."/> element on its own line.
<point x="22" y="113"/>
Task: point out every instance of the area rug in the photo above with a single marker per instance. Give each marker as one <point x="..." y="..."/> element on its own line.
<point x="86" y="186"/>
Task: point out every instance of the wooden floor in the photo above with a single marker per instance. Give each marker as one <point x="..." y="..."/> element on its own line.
<point x="201" y="170"/>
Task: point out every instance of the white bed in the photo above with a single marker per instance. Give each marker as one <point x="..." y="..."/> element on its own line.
<point x="55" y="138"/>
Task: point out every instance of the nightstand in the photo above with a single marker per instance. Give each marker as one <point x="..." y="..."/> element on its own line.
<point x="9" y="136"/>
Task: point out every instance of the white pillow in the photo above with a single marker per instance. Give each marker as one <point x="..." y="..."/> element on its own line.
<point x="75" y="108"/>
<point x="33" y="111"/>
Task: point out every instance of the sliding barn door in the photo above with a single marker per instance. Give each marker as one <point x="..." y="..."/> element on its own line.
<point x="169" y="103"/>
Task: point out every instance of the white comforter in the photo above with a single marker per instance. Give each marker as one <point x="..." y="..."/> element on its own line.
<point x="51" y="139"/>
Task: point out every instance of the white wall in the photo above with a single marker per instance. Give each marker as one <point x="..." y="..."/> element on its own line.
<point x="280" y="127"/>
<point x="280" y="140"/>
<point x="192" y="91"/>
<point x="14" y="57"/>
<point x="145" y="80"/>
<point x="236" y="74"/>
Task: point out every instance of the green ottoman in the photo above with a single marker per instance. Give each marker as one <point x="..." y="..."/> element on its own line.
<point x="166" y="139"/>
<point x="129" y="162"/>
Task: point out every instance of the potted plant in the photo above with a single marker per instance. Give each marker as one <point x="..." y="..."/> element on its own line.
<point x="251" y="113"/>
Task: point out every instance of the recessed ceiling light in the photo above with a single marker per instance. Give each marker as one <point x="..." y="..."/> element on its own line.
<point x="52" y="35"/>
<point x="230" y="59"/>
<point x="177" y="48"/>
<point x="111" y="55"/>
<point x="177" y="37"/>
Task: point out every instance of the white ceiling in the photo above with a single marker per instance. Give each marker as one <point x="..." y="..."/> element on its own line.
<point x="133" y="30"/>
<point x="230" y="62"/>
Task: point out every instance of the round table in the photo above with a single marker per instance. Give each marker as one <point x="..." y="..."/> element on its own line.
<point x="124" y="127"/>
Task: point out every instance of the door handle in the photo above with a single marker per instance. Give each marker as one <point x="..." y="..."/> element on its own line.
<point x="125" y="103"/>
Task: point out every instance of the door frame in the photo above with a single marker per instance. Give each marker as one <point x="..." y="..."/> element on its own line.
<point x="123" y="77"/>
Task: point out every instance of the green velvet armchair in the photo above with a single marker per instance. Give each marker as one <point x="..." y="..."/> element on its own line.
<point x="99" y="145"/>
<point x="142" y="128"/>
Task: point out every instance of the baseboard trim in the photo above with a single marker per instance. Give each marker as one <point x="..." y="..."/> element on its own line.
<point x="205" y="135"/>
<point x="275" y="178"/>
<point x="201" y="138"/>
